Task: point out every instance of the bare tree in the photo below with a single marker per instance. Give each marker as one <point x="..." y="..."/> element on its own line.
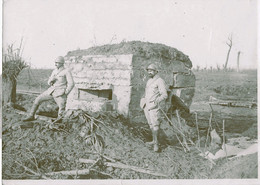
<point x="229" y="43"/>
<point x="12" y="66"/>
<point x="112" y="39"/>
<point x="218" y="67"/>
<point x="238" y="55"/>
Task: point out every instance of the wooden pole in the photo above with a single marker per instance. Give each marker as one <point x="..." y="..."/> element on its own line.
<point x="238" y="55"/>
<point x="197" y="126"/>
<point x="31" y="171"/>
<point x="224" y="143"/>
<point x="72" y="172"/>
<point x="123" y="166"/>
<point x="210" y="119"/>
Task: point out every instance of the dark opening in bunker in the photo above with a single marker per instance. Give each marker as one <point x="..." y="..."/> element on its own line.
<point x="90" y="94"/>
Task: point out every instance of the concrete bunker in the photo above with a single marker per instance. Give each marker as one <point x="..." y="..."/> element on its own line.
<point x="113" y="77"/>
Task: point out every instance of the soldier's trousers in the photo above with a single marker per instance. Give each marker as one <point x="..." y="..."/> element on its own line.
<point x="61" y="102"/>
<point x="153" y="118"/>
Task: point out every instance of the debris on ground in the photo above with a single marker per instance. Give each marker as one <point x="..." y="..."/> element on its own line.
<point x="104" y="138"/>
<point x="235" y="148"/>
<point x="114" y="149"/>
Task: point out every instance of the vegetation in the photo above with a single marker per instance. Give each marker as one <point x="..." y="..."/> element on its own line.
<point x="13" y="64"/>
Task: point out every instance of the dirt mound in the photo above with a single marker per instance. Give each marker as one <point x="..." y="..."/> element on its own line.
<point x="138" y="48"/>
<point x="242" y="168"/>
<point x="251" y="132"/>
<point x="45" y="150"/>
<point x="117" y="147"/>
<point x="111" y="140"/>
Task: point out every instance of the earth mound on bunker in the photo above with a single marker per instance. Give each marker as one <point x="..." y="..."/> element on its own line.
<point x="138" y="48"/>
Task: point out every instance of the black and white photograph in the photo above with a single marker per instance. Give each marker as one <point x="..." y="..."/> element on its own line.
<point x="129" y="92"/>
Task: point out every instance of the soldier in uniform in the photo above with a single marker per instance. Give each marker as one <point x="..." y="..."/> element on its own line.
<point x="61" y="83"/>
<point x="154" y="98"/>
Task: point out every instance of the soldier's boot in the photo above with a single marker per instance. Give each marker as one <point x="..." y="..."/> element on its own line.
<point x="57" y="120"/>
<point x="151" y="142"/>
<point x="156" y="145"/>
<point x="31" y="117"/>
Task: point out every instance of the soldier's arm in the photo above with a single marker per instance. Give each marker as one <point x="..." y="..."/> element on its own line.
<point x="51" y="79"/>
<point x="70" y="82"/>
<point x="162" y="90"/>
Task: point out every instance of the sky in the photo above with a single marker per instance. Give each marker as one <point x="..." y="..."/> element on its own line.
<point x="198" y="28"/>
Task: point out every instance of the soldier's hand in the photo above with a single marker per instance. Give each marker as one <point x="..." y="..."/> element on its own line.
<point x="156" y="102"/>
<point x="66" y="93"/>
<point x="53" y="81"/>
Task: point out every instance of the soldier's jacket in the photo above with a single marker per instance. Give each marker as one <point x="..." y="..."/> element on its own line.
<point x="61" y="82"/>
<point x="155" y="92"/>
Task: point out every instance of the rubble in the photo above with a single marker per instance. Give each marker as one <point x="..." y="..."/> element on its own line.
<point x="236" y="147"/>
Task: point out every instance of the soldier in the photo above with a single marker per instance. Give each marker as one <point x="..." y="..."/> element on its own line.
<point x="61" y="83"/>
<point x="155" y="95"/>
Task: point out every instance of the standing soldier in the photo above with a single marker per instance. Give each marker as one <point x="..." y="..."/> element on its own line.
<point x="155" y="95"/>
<point x="61" y="83"/>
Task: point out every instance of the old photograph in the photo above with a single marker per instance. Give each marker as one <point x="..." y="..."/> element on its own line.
<point x="155" y="90"/>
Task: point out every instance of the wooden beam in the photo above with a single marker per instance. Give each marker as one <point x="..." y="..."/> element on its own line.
<point x="124" y="166"/>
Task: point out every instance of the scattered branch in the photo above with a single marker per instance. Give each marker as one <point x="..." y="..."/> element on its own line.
<point x="72" y="172"/>
<point x="210" y="127"/>
<point x="172" y="124"/>
<point x="103" y="173"/>
<point x="212" y="111"/>
<point x="224" y="144"/>
<point x="197" y="127"/>
<point x="31" y="171"/>
<point x="92" y="118"/>
<point x="123" y="166"/>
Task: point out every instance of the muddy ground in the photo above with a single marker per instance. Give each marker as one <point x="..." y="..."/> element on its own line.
<point x="44" y="150"/>
<point x="33" y="150"/>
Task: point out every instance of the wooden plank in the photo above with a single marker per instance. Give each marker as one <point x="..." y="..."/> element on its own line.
<point x="123" y="166"/>
<point x="232" y="102"/>
<point x="28" y="92"/>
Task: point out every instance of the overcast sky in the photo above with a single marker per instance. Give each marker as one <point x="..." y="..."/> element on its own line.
<point x="199" y="28"/>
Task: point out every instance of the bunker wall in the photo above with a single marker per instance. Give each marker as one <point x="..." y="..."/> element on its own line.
<point x="102" y="83"/>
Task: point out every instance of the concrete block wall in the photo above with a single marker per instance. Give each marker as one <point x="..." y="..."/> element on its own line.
<point x="101" y="72"/>
<point x="126" y="76"/>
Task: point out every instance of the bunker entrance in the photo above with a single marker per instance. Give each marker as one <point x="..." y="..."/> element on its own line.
<point x="90" y="94"/>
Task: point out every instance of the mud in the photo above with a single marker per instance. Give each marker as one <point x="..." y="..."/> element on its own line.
<point x="56" y="150"/>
